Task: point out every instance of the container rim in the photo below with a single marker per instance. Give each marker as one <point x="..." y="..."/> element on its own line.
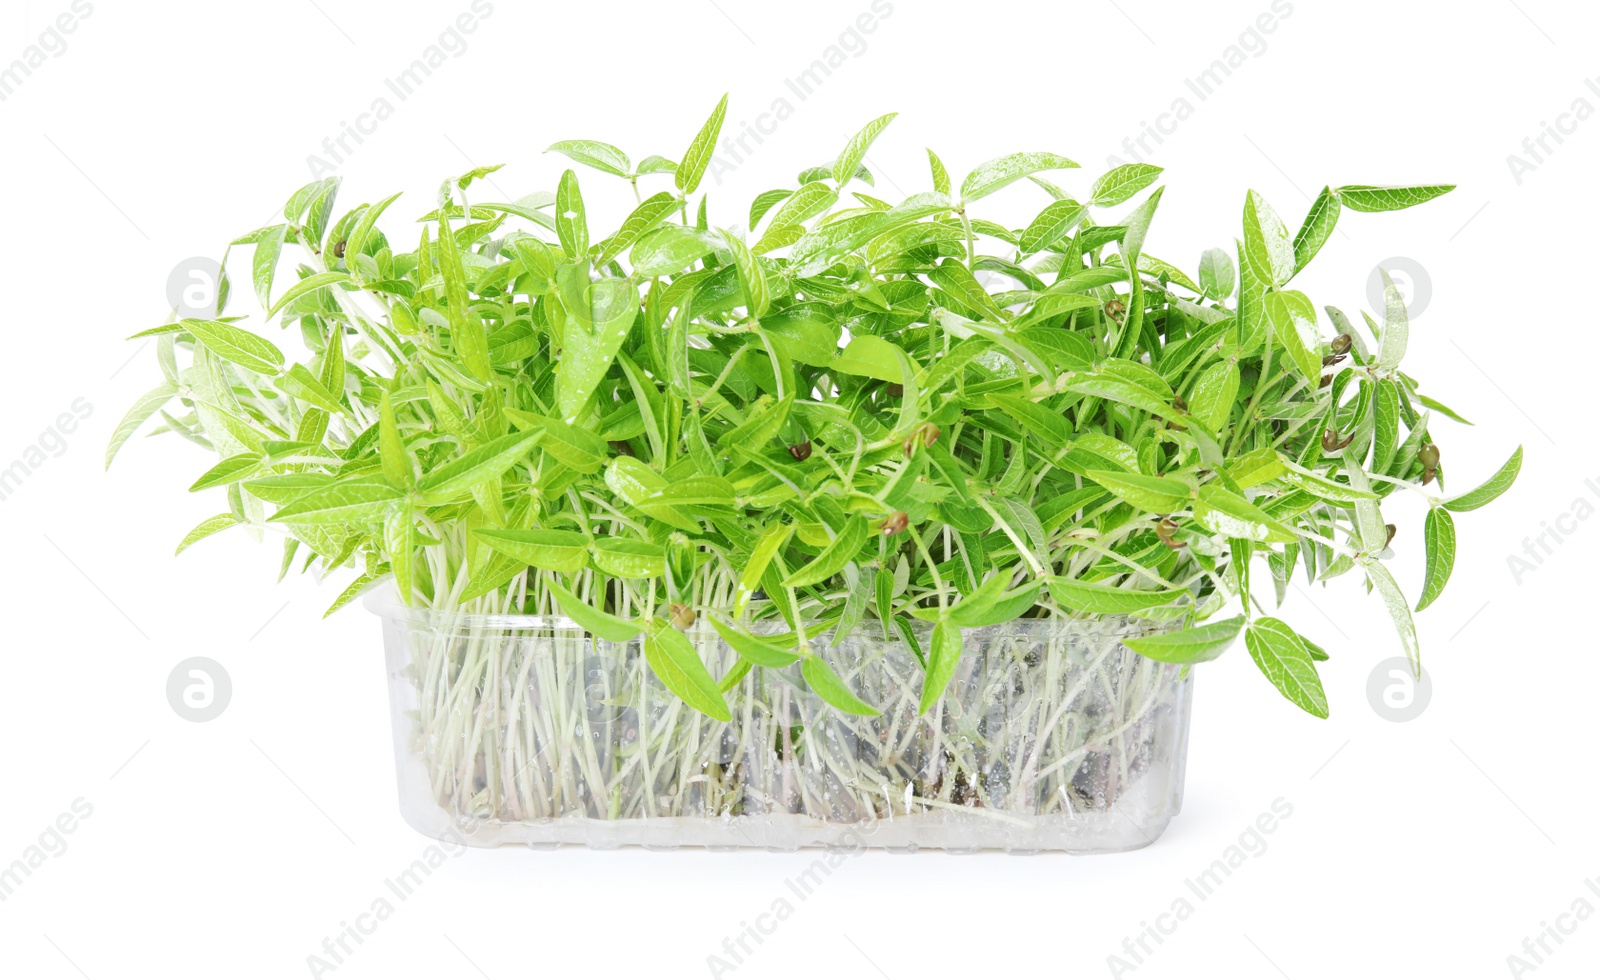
<point x="385" y="604"/>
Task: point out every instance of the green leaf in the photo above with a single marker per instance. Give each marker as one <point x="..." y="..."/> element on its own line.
<point x="476" y="173"/>
<point x="601" y="624"/>
<point x="758" y="297"/>
<point x="1138" y="224"/>
<point x="1386" y="424"/>
<point x="538" y="266"/>
<point x="832" y="243"/>
<point x="630" y="559"/>
<point x="1257" y="467"/>
<point x="701" y="491"/>
<point x="572" y="446"/>
<point x="356" y="243"/>
<point x="566" y="552"/>
<point x="804" y="204"/>
<point x="589" y="352"/>
<point x="673" y="659"/>
<point x="238" y="346"/>
<point x="1490" y="488"/>
<point x="844" y="548"/>
<point x="230" y="470"/>
<point x="829" y="687"/>
<point x="1368" y="197"/>
<point x="871" y="357"/>
<point x="1317" y="228"/>
<point x="997" y="607"/>
<point x="466" y="331"/>
<point x="1156" y="268"/>
<point x="1153" y="494"/>
<point x="206" y="529"/>
<point x="1283" y="656"/>
<point x="632" y="480"/>
<point x="354" y="590"/>
<point x="976" y="604"/>
<point x="264" y="263"/>
<point x="1211" y="401"/>
<point x="391" y="448"/>
<point x="772" y="539"/>
<point x="300" y="383"/>
<point x="668" y="250"/>
<point x="644" y="218"/>
<point x="809" y="339"/>
<point x="308" y="284"/>
<point x="1439" y="535"/>
<point x="285" y="487"/>
<point x="1104" y="599"/>
<point x="148" y="404"/>
<point x="854" y="151"/>
<point x="1252" y="313"/>
<point x="1216" y="274"/>
<point x="1322" y="487"/>
<point x="592" y="153"/>
<point x="400" y="541"/>
<point x="941" y="176"/>
<point x="572" y="222"/>
<point x="1396" y="325"/>
<point x="656" y="164"/>
<point x="957" y="280"/>
<point x="698" y="156"/>
<point x="1194" y="645"/>
<point x="764" y="422"/>
<point x="350" y="502"/>
<point x="1000" y="172"/>
<point x="1048" y="227"/>
<point x="1038" y="420"/>
<point x="1294" y="327"/>
<point x="1120" y="183"/>
<point x="1225" y="512"/>
<point x="759" y="651"/>
<point x="1399" y="609"/>
<point x="1118" y="389"/>
<point x="485" y="463"/>
<point x="944" y="656"/>
<point x="764" y="202"/>
<point x="1370" y="529"/>
<point x="1266" y="240"/>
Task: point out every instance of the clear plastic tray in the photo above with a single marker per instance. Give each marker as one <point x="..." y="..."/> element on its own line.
<point x="1053" y="736"/>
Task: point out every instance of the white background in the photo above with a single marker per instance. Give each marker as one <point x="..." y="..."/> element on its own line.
<point x="232" y="848"/>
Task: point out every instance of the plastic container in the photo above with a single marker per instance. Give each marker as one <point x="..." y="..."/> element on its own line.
<point x="526" y="730"/>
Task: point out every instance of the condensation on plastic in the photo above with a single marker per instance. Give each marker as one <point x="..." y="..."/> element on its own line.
<point x="1053" y="736"/>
